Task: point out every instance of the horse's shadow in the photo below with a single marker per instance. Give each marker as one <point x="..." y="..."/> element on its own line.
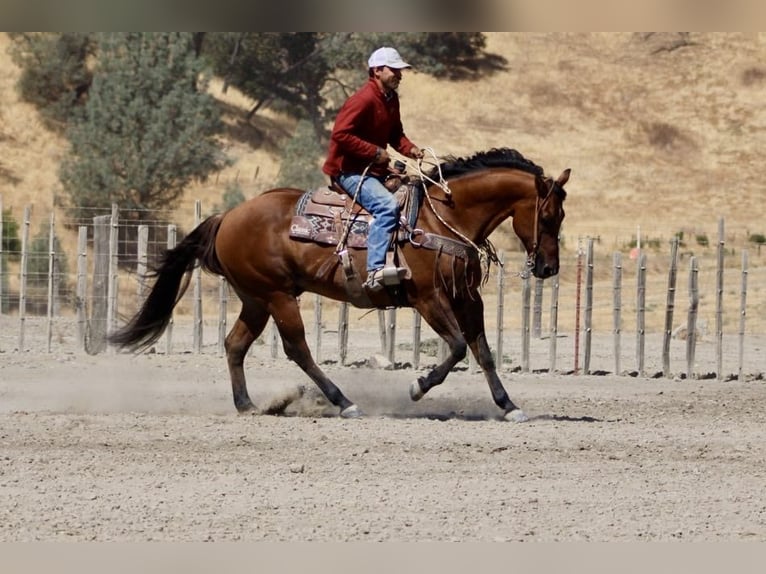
<point x="568" y="419"/>
<point x="481" y="417"/>
<point x="451" y="415"/>
<point x="307" y="402"/>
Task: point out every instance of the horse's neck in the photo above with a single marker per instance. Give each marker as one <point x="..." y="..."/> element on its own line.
<point x="479" y="202"/>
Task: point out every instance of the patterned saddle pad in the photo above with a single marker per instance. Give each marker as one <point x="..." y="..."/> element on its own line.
<point x="322" y="215"/>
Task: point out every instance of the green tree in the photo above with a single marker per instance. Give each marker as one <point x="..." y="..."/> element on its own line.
<point x="310" y="74"/>
<point x="148" y="128"/>
<point x="285" y="71"/>
<point x="300" y="167"/>
<point x="54" y="71"/>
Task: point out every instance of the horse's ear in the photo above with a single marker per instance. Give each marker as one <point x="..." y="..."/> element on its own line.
<point x="564" y="177"/>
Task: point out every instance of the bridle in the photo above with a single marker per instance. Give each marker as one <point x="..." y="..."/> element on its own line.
<point x="444" y="186"/>
<point x="539" y="205"/>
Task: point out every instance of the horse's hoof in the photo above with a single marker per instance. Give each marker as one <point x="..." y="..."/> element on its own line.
<point x="352" y="412"/>
<point x="416" y="393"/>
<point x="247" y="408"/>
<point x="516" y="416"/>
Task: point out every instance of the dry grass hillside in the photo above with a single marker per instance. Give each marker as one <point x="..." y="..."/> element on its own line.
<point x="661" y="135"/>
<point x="658" y="137"/>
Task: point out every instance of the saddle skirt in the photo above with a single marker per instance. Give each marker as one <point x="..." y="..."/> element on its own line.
<point x="323" y="215"/>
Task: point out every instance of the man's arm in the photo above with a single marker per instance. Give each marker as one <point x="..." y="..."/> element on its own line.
<point x="350" y="116"/>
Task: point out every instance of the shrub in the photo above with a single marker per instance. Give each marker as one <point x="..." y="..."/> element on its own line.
<point x="38" y="259"/>
<point x="11" y="241"/>
<point x="232" y="196"/>
<point x="753" y="76"/>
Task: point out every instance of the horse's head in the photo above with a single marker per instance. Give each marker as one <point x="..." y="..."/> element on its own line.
<point x="539" y="228"/>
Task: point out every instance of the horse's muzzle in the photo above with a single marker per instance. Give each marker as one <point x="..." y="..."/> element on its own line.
<point x="543" y="270"/>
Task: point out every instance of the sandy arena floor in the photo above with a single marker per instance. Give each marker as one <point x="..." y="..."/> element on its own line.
<point x="123" y="448"/>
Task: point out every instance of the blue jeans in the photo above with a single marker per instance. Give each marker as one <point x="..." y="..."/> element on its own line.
<point x="380" y="202"/>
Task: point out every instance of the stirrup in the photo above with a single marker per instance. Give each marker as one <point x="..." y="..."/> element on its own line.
<point x="384" y="276"/>
<point x="393" y="275"/>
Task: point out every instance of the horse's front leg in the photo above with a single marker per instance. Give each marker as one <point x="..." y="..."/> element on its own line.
<point x="471" y="318"/>
<point x="439" y="315"/>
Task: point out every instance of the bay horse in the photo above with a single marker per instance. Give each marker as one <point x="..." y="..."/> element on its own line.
<point x="464" y="201"/>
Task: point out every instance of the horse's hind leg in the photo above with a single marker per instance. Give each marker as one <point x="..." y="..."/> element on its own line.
<point x="284" y="308"/>
<point x="250" y="323"/>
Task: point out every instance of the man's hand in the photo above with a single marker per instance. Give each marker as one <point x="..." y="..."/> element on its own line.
<point x="416" y="152"/>
<point x="381" y="157"/>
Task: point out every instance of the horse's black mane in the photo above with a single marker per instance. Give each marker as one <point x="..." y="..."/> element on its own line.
<point x="496" y="157"/>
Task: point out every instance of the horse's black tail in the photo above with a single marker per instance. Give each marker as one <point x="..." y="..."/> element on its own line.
<point x="147" y="326"/>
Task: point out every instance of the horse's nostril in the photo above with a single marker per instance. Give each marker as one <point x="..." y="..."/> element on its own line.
<point x="549" y="271"/>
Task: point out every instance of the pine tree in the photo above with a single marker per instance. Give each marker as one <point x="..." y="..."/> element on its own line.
<point x="148" y="129"/>
<point x="54" y="72"/>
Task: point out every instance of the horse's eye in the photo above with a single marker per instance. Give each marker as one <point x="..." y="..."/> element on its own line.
<point x="548" y="220"/>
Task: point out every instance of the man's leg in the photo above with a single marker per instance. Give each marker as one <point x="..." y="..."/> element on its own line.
<point x="380" y="202"/>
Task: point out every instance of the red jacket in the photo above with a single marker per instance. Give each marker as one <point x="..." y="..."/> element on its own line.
<point x="368" y="120"/>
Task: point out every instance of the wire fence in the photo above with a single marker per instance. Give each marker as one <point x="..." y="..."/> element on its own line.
<point x="64" y="284"/>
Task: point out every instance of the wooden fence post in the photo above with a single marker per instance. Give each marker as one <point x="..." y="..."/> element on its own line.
<point x="197" y="277"/>
<point x="537" y="309"/>
<point x="274" y="339"/>
<point x="577" y="308"/>
<point x="96" y="339"/>
<point x="416" y="320"/>
<point x="525" y="312"/>
<point x="82" y="286"/>
<point x="669" y="307"/>
<point x="554" y="320"/>
<point x="640" y="313"/>
<point x="617" y="308"/>
<point x="318" y="328"/>
<point x="500" y="310"/>
<point x="23" y="275"/>
<point x="142" y="256"/>
<point x="691" y="322"/>
<point x="391" y="335"/>
<point x="343" y="332"/>
<point x="223" y="299"/>
<point x="171" y="243"/>
<point x="382" y="330"/>
<point x="51" y="278"/>
<point x="112" y="278"/>
<point x="742" y="313"/>
<point x="588" y="318"/>
<point x="719" y="303"/>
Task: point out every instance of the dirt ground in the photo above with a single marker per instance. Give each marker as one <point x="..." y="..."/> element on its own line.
<point x="115" y="447"/>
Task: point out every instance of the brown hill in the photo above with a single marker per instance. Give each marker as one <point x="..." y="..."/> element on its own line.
<point x="663" y="132"/>
<point x="660" y="133"/>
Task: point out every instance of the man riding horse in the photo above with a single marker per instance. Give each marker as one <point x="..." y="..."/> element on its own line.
<point x="357" y="159"/>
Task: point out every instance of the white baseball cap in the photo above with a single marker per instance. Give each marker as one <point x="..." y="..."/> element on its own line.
<point x="387" y="57"/>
